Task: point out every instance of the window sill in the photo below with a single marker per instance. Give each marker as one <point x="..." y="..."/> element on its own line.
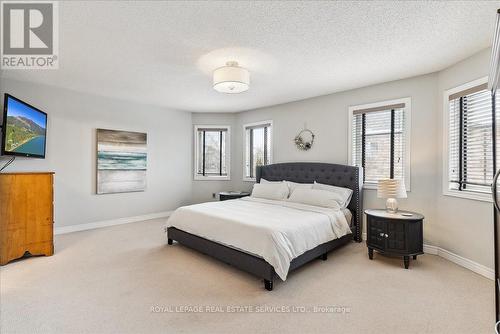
<point x="476" y="196"/>
<point x="249" y="179"/>
<point x="211" y="178"/>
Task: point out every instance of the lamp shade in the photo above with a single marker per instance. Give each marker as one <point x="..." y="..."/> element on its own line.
<point x="391" y="188"/>
<point x="231" y="79"/>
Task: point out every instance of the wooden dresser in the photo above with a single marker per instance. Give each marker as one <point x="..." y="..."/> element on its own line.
<point x="26" y="215"/>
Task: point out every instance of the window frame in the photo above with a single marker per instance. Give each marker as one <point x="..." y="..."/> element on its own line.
<point x="407" y="132"/>
<point x="198" y="177"/>
<point x="246" y="148"/>
<point x="473" y="195"/>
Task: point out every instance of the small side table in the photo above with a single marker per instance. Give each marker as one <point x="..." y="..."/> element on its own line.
<point x="226" y="195"/>
<point x="399" y="234"/>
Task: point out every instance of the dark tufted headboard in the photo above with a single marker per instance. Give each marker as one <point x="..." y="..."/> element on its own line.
<point x="332" y="174"/>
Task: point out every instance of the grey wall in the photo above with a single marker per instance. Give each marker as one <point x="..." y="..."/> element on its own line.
<point x="71" y="145"/>
<point x="459" y="225"/>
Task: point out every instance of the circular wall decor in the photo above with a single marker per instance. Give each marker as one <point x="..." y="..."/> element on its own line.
<point x="304" y="140"/>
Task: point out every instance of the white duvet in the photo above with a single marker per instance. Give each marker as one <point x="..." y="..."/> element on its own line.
<point x="277" y="231"/>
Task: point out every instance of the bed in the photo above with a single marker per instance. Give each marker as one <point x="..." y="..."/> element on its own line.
<point x="246" y="241"/>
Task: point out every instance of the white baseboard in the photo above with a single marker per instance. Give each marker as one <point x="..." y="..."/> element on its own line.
<point x="457" y="259"/>
<point x="430" y="249"/>
<point x="466" y="263"/>
<point x="112" y="222"/>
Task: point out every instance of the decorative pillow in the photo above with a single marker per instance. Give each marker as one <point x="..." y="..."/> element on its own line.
<point x="277" y="191"/>
<point x="317" y="197"/>
<point x="344" y="193"/>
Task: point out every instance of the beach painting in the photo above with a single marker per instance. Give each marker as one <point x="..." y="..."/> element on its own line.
<point x="121" y="161"/>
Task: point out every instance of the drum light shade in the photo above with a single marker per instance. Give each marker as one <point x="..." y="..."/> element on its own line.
<point x="391" y="188"/>
<point x="231" y="79"/>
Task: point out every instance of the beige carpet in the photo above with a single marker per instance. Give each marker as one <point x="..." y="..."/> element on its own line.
<point x="108" y="280"/>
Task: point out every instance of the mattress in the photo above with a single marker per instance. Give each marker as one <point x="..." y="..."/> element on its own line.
<point x="277" y="231"/>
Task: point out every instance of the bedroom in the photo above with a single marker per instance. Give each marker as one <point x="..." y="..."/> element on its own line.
<point x="112" y="270"/>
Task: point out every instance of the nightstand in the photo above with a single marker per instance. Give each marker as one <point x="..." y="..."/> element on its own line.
<point x="225" y="195"/>
<point x="399" y="234"/>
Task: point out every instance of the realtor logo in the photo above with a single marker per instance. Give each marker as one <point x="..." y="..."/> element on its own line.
<point x="29" y="35"/>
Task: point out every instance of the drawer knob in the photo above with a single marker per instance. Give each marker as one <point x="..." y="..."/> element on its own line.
<point x="381" y="234"/>
<point x="387" y="236"/>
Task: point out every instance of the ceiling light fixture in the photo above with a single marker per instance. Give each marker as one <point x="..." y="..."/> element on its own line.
<point x="231" y="79"/>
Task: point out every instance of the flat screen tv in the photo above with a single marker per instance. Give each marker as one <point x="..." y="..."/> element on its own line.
<point x="24" y="129"/>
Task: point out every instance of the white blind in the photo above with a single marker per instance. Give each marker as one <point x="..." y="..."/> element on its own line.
<point x="471" y="141"/>
<point x="378" y="143"/>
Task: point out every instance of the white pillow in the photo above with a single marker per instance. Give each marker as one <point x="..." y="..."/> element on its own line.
<point x="344" y="193"/>
<point x="277" y="191"/>
<point x="317" y="197"/>
<point x="291" y="185"/>
<point x="294" y="185"/>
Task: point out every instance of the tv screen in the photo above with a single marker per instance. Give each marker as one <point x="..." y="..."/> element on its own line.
<point x="24" y="129"/>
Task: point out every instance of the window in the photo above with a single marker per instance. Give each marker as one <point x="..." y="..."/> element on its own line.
<point x="469" y="165"/>
<point x="212" y="160"/>
<point x="379" y="141"/>
<point x="258" y="147"/>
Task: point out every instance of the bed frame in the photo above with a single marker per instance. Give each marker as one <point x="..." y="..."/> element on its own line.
<point x="301" y="172"/>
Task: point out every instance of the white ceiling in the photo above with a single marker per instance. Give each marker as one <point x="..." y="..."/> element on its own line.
<point x="163" y="53"/>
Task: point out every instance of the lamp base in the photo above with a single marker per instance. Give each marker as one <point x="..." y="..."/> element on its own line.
<point x="391" y="205"/>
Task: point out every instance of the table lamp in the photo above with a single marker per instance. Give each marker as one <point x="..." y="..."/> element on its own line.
<point x="391" y="189"/>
